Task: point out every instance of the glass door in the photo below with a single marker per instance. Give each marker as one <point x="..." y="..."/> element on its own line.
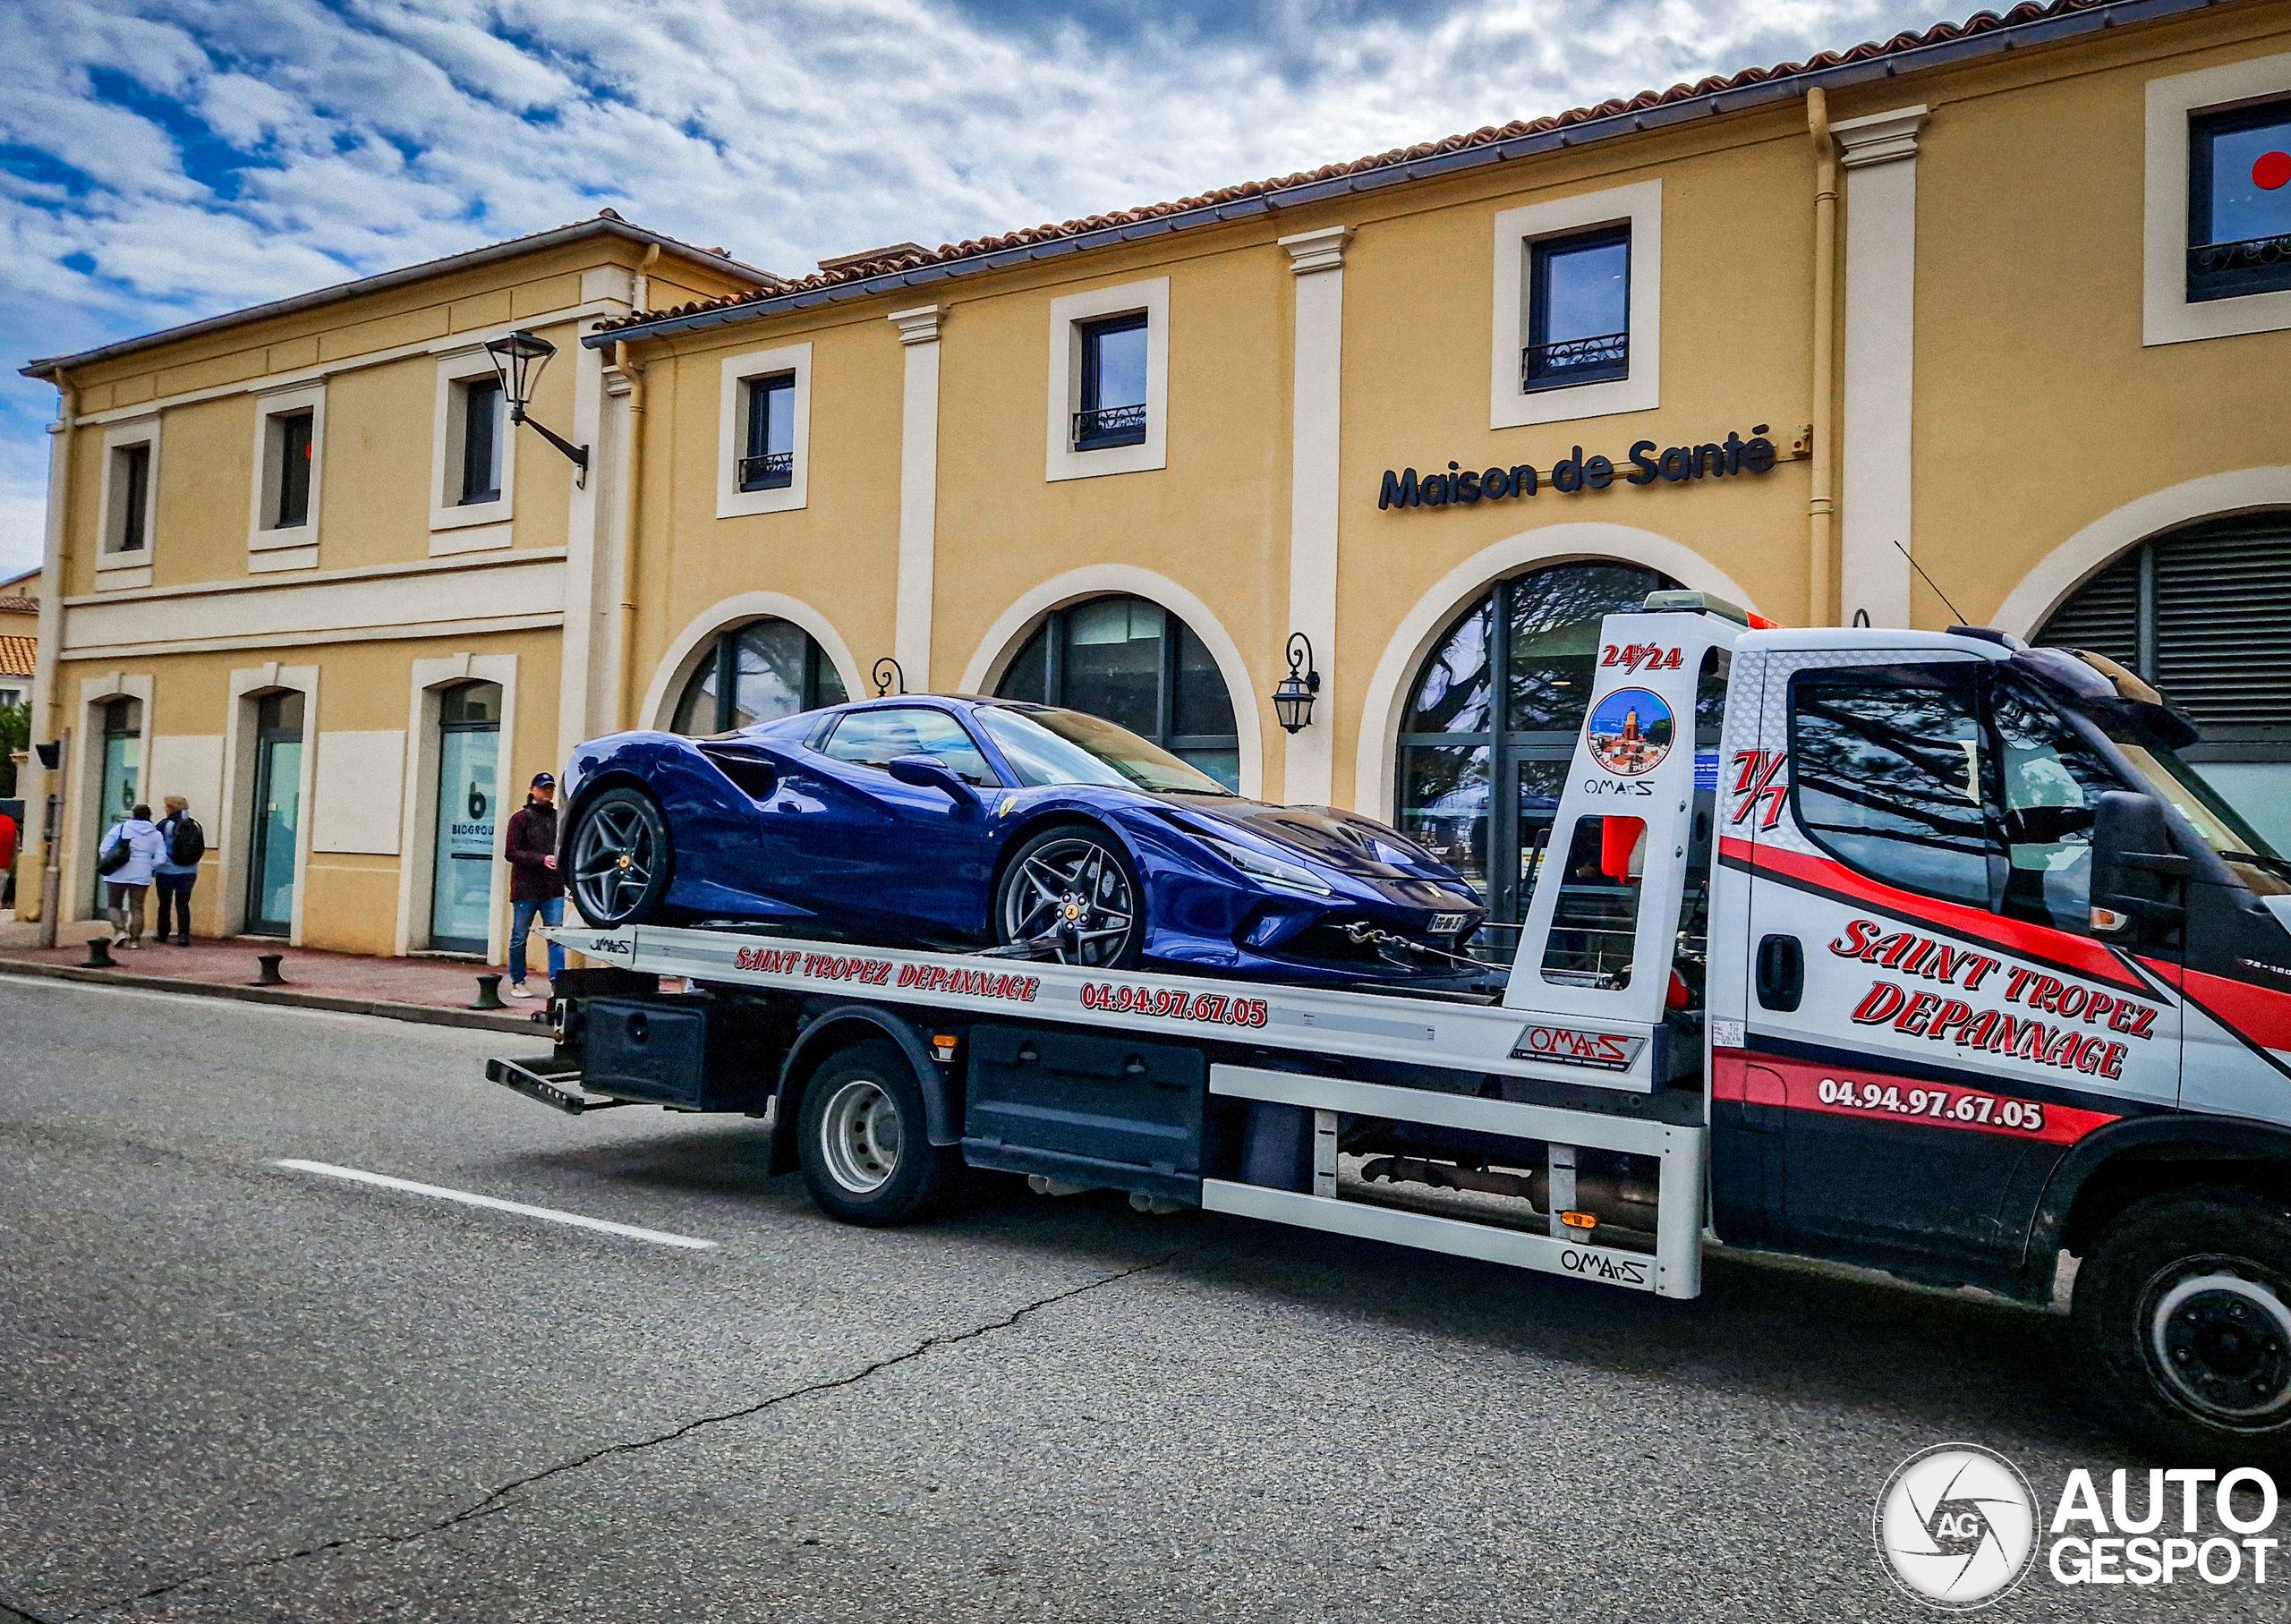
<point x="123" y="732"/>
<point x="462" y="863"/>
<point x="276" y="814"/>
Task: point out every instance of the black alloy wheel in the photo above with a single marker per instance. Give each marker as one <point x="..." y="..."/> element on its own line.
<point x="620" y="858"/>
<point x="1071" y="891"/>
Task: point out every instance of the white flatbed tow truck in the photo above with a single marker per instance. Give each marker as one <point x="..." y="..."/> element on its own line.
<point x="1929" y="956"/>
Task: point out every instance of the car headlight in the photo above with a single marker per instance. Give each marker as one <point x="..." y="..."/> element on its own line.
<point x="1272" y="871"/>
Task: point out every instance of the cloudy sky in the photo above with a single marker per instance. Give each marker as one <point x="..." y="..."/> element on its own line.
<point x="161" y="162"/>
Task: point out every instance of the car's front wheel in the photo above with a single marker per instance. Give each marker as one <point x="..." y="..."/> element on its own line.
<point x="620" y="858"/>
<point x="1071" y="891"/>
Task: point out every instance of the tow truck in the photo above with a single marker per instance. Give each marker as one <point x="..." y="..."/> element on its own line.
<point x="1920" y="951"/>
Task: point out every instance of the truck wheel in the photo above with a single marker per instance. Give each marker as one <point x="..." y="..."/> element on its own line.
<point x="1074" y="884"/>
<point x="2183" y="1309"/>
<point x="867" y="1154"/>
<point x="620" y="858"/>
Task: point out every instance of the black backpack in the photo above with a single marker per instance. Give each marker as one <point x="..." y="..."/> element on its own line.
<point x="188" y="843"/>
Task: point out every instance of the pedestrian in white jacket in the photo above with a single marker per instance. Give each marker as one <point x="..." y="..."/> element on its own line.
<point x="126" y="882"/>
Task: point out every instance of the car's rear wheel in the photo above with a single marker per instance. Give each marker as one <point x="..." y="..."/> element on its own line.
<point x="620" y="858"/>
<point x="1071" y="890"/>
<point x="863" y="1141"/>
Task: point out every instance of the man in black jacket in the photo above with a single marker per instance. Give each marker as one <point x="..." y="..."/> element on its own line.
<point x="535" y="886"/>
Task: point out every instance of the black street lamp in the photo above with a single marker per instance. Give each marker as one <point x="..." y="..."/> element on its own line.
<point x="1292" y="696"/>
<point x="518" y="360"/>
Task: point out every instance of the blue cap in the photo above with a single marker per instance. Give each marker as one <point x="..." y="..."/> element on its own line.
<point x="542" y="780"/>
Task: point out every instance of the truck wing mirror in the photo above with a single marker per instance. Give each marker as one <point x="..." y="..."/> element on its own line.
<point x="2134" y="865"/>
<point x="928" y="772"/>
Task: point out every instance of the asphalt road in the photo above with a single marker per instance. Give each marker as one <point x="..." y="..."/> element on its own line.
<point x="233" y="1392"/>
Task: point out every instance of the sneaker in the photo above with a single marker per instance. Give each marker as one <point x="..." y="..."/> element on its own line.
<point x="122" y="940"/>
<point x="519" y="991"/>
<point x="182" y="941"/>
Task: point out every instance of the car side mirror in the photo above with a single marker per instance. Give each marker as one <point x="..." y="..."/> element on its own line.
<point x="928" y="772"/>
<point x="2133" y="863"/>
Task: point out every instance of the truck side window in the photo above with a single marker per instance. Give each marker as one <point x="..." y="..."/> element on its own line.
<point x="1594" y="926"/>
<point x="1887" y="777"/>
<point x="2052" y="782"/>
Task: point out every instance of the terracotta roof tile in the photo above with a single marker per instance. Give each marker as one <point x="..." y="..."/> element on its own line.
<point x="16" y="655"/>
<point x="19" y="606"/>
<point x="860" y="268"/>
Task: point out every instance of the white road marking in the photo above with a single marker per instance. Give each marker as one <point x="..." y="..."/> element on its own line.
<point x="657" y="1237"/>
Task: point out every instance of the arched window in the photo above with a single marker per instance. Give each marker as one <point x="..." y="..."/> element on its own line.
<point x="2204" y="614"/>
<point x="1134" y="663"/>
<point x="756" y="673"/>
<point x="1480" y="765"/>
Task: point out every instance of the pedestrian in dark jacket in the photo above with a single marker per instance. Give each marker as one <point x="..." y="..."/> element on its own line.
<point x="535" y="886"/>
<point x="174" y="878"/>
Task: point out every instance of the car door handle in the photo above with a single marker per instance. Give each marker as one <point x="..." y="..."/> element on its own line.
<point x="1781" y="972"/>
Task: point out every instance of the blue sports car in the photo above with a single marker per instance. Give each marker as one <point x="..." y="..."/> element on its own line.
<point x="970" y="823"/>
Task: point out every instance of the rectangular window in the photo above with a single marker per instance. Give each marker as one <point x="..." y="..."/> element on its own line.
<point x="292" y="434"/>
<point x="1113" y="384"/>
<point x="1579" y="309"/>
<point x="481" y="441"/>
<point x="2239" y="201"/>
<point x="132" y="489"/>
<point x="768" y="462"/>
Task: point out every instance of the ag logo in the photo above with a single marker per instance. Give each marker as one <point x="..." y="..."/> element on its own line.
<point x="1956" y="1525"/>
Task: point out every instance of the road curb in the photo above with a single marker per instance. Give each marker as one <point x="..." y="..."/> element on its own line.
<point x="293" y="997"/>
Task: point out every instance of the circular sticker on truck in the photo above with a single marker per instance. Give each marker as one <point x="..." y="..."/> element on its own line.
<point x="1629" y="732"/>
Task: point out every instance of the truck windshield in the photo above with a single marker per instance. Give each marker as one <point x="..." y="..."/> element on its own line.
<point x="1048" y="746"/>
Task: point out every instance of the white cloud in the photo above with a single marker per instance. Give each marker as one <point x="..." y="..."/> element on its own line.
<point x="163" y="161"/>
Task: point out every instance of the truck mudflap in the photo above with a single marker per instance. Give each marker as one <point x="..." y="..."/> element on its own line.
<point x="544" y="1078"/>
<point x="1571" y="1244"/>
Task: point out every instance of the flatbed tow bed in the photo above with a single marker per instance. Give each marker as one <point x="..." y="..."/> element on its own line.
<point x="1897" y="967"/>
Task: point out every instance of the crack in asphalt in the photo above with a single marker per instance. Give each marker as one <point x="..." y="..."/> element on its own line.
<point x="496" y="1500"/>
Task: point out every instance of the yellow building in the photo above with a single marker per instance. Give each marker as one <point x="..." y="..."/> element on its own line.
<point x="302" y="572"/>
<point x="1995" y="311"/>
<point x="19" y="636"/>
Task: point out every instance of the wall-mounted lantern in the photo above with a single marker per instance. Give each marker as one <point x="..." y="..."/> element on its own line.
<point x="519" y="359"/>
<point x="1292" y="696"/>
<point x="885" y="673"/>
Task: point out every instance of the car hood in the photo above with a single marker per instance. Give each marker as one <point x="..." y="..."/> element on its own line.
<point x="1339" y="840"/>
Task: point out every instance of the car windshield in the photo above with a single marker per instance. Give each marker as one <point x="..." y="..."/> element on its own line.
<point x="1047" y="746"/>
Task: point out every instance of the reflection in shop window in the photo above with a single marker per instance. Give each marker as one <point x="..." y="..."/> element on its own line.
<point x="756" y="673"/>
<point x="1132" y="662"/>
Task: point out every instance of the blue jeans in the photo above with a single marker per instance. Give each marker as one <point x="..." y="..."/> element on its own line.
<point x="521" y="924"/>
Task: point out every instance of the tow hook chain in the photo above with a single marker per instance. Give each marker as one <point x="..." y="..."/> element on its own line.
<point x="1367" y="935"/>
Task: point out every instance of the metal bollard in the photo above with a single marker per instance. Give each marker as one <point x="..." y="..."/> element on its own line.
<point x="488" y="993"/>
<point x="99" y="955"/>
<point x="269" y="976"/>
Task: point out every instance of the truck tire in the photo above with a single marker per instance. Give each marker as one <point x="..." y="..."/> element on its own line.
<point x="620" y="858"/>
<point x="861" y="1139"/>
<point x="2182" y="1312"/>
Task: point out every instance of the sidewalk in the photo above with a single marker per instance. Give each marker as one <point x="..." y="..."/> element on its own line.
<point x="438" y="991"/>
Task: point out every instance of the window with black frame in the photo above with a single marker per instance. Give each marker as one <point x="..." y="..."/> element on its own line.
<point x="1888" y="776"/>
<point x="483" y="442"/>
<point x="1113" y="383"/>
<point x="1479" y="771"/>
<point x="768" y="456"/>
<point x="756" y="673"/>
<point x="1579" y="309"/>
<point x="132" y="490"/>
<point x="294" y="436"/>
<point x="1134" y="663"/>
<point x="2239" y="201"/>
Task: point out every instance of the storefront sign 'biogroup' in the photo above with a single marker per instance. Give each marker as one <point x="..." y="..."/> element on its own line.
<point x="1574" y="475"/>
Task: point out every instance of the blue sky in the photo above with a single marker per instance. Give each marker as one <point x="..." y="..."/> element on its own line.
<point x="163" y="162"/>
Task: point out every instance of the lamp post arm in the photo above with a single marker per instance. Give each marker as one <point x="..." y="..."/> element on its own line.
<point x="577" y="454"/>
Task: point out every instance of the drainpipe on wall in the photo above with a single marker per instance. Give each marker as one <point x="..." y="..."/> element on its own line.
<point x="631" y="479"/>
<point x="640" y="296"/>
<point x="54" y="570"/>
<point x="1821" y="506"/>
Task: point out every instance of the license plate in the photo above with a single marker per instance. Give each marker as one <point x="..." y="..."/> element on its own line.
<point x="1446" y="924"/>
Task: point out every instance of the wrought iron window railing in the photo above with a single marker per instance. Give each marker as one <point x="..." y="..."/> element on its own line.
<point x="1575" y="361"/>
<point x="2222" y="271"/>
<point x="772" y="471"/>
<point x="1103" y="426"/>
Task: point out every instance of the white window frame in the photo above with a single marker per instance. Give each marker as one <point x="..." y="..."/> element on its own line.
<point x="114" y="567"/>
<point x="1068" y="316"/>
<point x="2167" y="315"/>
<point x="1640" y="208"/>
<point x="262" y="535"/>
<point x="449" y="519"/>
<point x="732" y="431"/>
